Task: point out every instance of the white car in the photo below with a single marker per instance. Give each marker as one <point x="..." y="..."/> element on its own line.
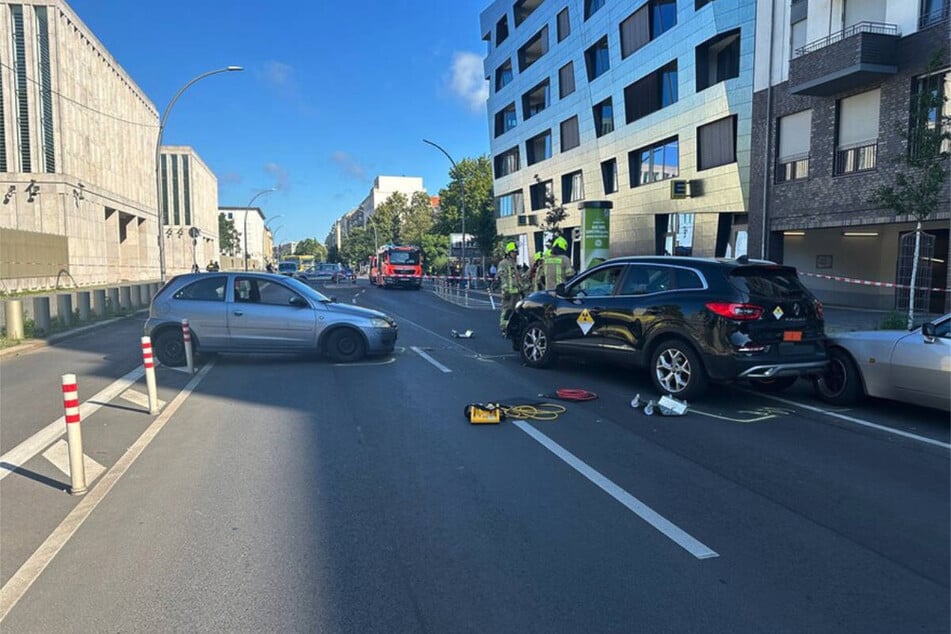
<point x="914" y="367"/>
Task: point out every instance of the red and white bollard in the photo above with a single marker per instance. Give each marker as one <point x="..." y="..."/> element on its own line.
<point x="74" y="435"/>
<point x="149" y="362"/>
<point x="189" y="356"/>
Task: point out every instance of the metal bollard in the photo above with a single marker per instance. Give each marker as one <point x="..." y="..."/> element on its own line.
<point x="149" y="362"/>
<point x="13" y="312"/>
<point x="99" y="302"/>
<point x="41" y="315"/>
<point x="83" y="305"/>
<point x="64" y="309"/>
<point x="74" y="436"/>
<point x="189" y="355"/>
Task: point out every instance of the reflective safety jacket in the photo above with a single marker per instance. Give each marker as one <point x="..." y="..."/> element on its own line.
<point x="557" y="269"/>
<point x="510" y="278"/>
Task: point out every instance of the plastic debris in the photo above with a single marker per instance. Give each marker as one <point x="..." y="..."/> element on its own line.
<point x="669" y="406"/>
<point x="467" y="334"/>
<point x="636" y="401"/>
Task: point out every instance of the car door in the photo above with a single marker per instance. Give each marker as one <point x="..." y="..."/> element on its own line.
<point x="920" y="370"/>
<point x="265" y="314"/>
<point x="579" y="325"/>
<point x="203" y="303"/>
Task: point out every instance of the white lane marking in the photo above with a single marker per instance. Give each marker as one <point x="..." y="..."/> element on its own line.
<point x="19" y="455"/>
<point x="646" y="513"/>
<point x="58" y="455"/>
<point x="430" y="359"/>
<point x="138" y="398"/>
<point x="30" y="571"/>
<point x="857" y="421"/>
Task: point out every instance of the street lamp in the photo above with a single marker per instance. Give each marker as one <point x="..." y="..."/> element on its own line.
<point x="267" y="228"/>
<point x="158" y="159"/>
<point x="275" y="244"/>
<point x="247" y="208"/>
<point x="462" y="184"/>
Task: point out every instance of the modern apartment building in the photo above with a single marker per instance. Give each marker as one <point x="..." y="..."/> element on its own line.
<point x="189" y="203"/>
<point x="77" y="156"/>
<point x="615" y="101"/>
<point x="834" y="85"/>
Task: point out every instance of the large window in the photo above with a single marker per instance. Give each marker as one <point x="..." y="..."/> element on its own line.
<point x="503" y="75"/>
<point x="603" y="117"/>
<point x="716" y="143"/>
<point x="524" y="8"/>
<point x="569" y="134"/>
<point x="505" y="119"/>
<point x="535" y="100"/>
<point x="538" y="148"/>
<point x="176" y="206"/>
<point x="539" y="194"/>
<point x="20" y="87"/>
<point x="501" y="30"/>
<point x="46" y="90"/>
<point x="507" y="162"/>
<point x="931" y="107"/>
<point x="797" y="38"/>
<point x="857" y="132"/>
<point x="564" y="24"/>
<point x="718" y="59"/>
<point x="654" y="163"/>
<point x="792" y="160"/>
<point x="596" y="59"/>
<point x="591" y="6"/>
<point x="646" y="24"/>
<point x="932" y="12"/>
<point x="609" y="175"/>
<point x="566" y="80"/>
<point x="510" y="204"/>
<point x="186" y="189"/>
<point x="651" y="93"/>
<point x="572" y="187"/>
<point x="533" y="50"/>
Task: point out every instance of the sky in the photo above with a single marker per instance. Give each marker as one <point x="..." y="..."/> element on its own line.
<point x="333" y="93"/>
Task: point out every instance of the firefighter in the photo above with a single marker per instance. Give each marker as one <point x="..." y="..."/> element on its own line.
<point x="556" y="266"/>
<point x="535" y="276"/>
<point x="511" y="285"/>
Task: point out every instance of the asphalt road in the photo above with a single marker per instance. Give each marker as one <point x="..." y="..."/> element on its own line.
<point x="293" y="494"/>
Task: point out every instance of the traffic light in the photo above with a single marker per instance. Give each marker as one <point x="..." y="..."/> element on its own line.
<point x="678" y="189"/>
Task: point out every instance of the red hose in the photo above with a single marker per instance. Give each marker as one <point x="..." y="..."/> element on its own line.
<point x="573" y="394"/>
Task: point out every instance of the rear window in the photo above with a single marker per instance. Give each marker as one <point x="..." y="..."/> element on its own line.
<point x="774" y="281"/>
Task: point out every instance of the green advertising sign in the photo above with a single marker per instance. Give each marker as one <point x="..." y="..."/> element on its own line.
<point x="595" y="233"/>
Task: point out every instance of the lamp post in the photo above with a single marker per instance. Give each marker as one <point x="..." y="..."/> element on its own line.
<point x="158" y="159"/>
<point x="247" y="208"/>
<point x="267" y="228"/>
<point x="275" y="243"/>
<point x="462" y="184"/>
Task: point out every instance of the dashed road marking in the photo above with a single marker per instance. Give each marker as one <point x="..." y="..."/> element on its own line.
<point x="58" y="456"/>
<point x="430" y="359"/>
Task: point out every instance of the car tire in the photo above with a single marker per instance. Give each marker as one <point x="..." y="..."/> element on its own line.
<point x="535" y="346"/>
<point x="841" y="383"/>
<point x="676" y="370"/>
<point x="774" y="386"/>
<point x="169" y="348"/>
<point x="345" y="346"/>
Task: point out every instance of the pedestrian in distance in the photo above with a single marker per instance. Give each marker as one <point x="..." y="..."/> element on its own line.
<point x="557" y="266"/>
<point x="511" y="284"/>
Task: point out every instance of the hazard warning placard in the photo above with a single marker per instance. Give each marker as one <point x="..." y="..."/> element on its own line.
<point x="585" y="321"/>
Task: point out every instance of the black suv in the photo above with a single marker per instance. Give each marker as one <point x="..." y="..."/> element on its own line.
<point x="689" y="320"/>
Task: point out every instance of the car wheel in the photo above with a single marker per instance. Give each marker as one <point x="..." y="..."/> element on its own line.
<point x="841" y="383"/>
<point x="774" y="386"/>
<point x="169" y="348"/>
<point x="345" y="345"/>
<point x="535" y="346"/>
<point x="676" y="370"/>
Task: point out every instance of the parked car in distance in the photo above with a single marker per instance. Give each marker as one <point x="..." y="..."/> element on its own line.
<point x="687" y="320"/>
<point x="913" y="367"/>
<point x="261" y="312"/>
<point x="323" y="272"/>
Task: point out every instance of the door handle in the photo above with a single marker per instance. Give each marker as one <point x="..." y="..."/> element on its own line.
<point x="237" y="313"/>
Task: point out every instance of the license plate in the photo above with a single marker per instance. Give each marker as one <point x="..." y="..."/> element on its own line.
<point x="792" y="335"/>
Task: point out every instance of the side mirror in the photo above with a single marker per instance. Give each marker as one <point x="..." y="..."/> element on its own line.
<point x="299" y="302"/>
<point x="928" y="331"/>
<point x="560" y="290"/>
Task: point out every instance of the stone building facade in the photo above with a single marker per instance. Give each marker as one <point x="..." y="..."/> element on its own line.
<point x="190" y="204"/>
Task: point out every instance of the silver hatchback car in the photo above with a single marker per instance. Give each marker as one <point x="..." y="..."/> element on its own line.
<point x="261" y="312"/>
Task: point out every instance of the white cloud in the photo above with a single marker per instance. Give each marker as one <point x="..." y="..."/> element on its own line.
<point x="281" y="180"/>
<point x="467" y="80"/>
<point x="349" y="165"/>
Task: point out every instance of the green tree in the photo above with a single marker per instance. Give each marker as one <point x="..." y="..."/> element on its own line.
<point x="475" y="177"/>
<point x="555" y="214"/>
<point x="357" y="246"/>
<point x="922" y="169"/>
<point x="310" y="246"/>
<point x="229" y="240"/>
<point x="418" y="219"/>
<point x="435" y="252"/>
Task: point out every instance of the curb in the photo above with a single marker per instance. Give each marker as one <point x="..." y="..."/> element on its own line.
<point x="35" y="344"/>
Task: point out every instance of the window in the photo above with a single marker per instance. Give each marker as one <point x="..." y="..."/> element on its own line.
<point x="930" y="104"/>
<point x="533" y="49"/>
<point x="651" y="93"/>
<point x="797" y="37"/>
<point x="569" y="134"/>
<point x="501" y="30"/>
<point x="505" y="119"/>
<point x="539" y="195"/>
<point x="699" y="4"/>
<point x="20" y="88"/>
<point x="591" y="7"/>
<point x="507" y="162"/>
<point x="176" y="205"/>
<point x="718" y="59"/>
<point x="932" y="12"/>
<point x="566" y="80"/>
<point x="794" y="141"/>
<point x="3" y="133"/>
<point x="208" y="289"/>
<point x="524" y="8"/>
<point x="609" y="175"/>
<point x="503" y="75"/>
<point x="857" y="132"/>
<point x="603" y="117"/>
<point x="600" y="283"/>
<point x="716" y="143"/>
<point x="186" y="189"/>
<point x="572" y="187"/>
<point x="654" y="163"/>
<point x="165" y="190"/>
<point x="535" y="100"/>
<point x="46" y="90"/>
<point x="510" y="204"/>
<point x="564" y="24"/>
<point x="596" y="59"/>
<point x="646" y="24"/>
<point x="538" y="148"/>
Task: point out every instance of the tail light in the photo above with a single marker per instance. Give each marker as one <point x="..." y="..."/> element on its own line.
<point x="818" y="307"/>
<point x="740" y="312"/>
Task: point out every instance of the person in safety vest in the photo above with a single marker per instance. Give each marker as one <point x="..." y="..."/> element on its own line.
<point x="510" y="283"/>
<point x="556" y="266"/>
<point x="535" y="275"/>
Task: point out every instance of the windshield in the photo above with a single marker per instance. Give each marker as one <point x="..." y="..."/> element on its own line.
<point x="306" y="290"/>
<point x="404" y="257"/>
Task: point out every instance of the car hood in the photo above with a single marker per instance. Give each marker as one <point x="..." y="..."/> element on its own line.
<point x="870" y="335"/>
<point x="357" y="311"/>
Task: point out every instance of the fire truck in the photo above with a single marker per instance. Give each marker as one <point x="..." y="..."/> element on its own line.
<point x="395" y="265"/>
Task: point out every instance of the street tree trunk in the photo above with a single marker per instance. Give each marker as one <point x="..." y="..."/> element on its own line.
<point x="913" y="283"/>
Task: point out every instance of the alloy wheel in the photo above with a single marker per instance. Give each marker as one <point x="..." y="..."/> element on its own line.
<point x="673" y="370"/>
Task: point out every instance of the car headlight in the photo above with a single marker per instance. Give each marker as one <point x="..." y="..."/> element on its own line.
<point x="379" y="322"/>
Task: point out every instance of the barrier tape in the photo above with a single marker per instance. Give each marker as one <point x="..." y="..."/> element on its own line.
<point x="851" y="280"/>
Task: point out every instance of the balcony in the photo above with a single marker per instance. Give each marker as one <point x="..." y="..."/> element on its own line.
<point x="851" y="58"/>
